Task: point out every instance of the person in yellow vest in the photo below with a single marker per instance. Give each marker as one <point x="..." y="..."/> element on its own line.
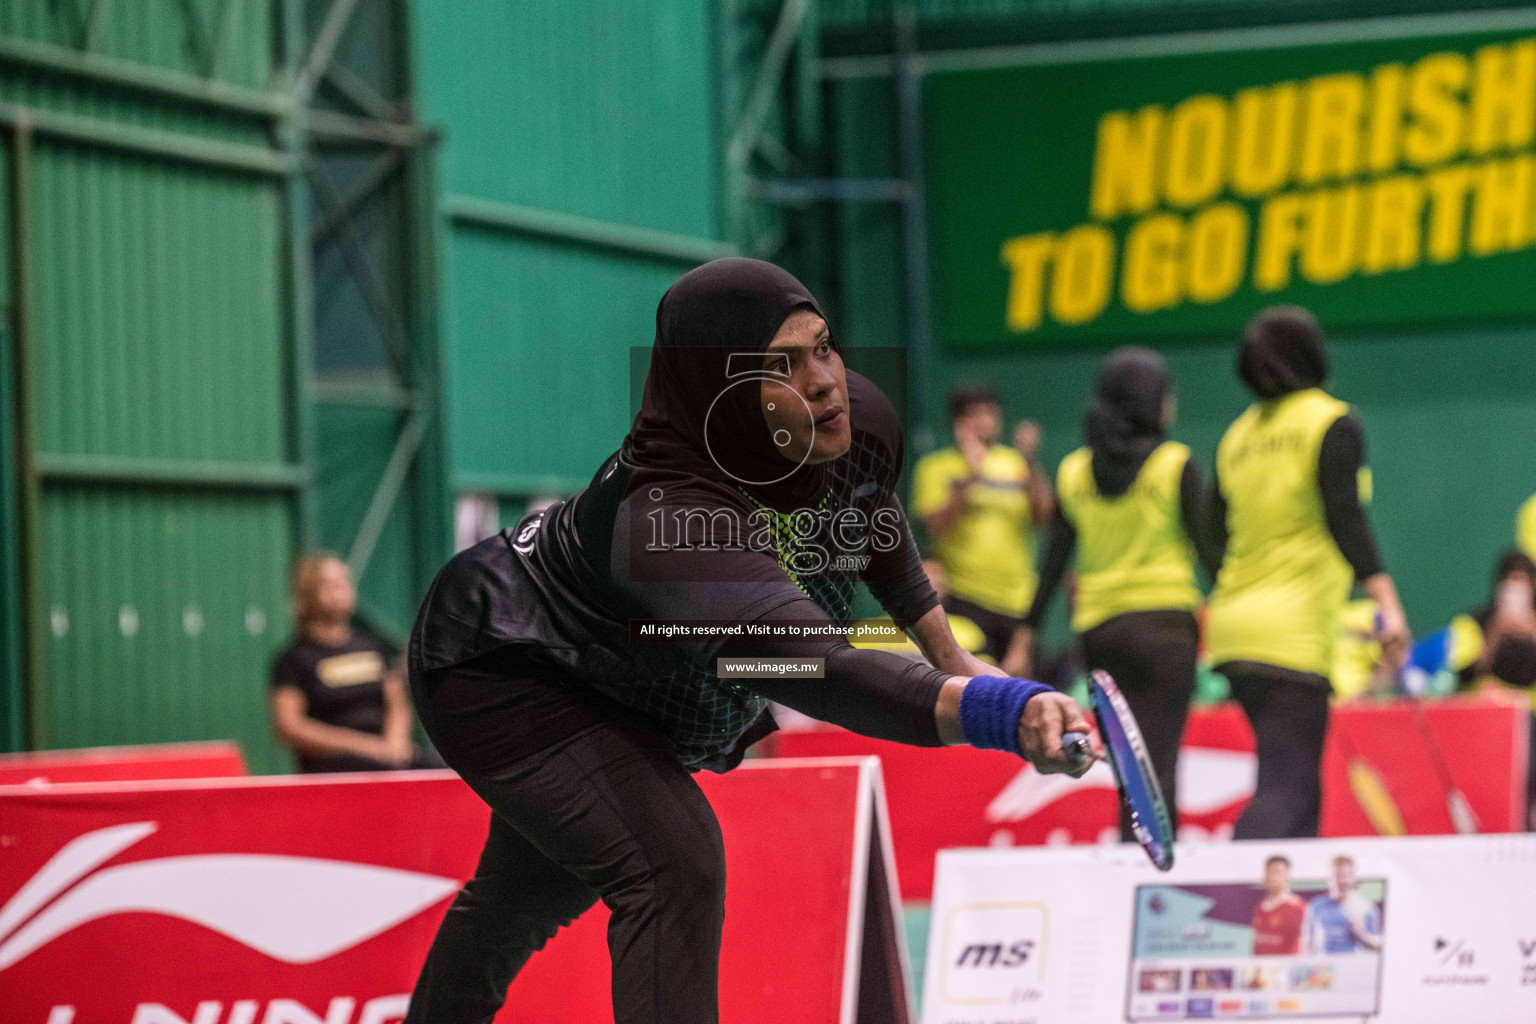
<point x="980" y="502"/>
<point x="1130" y="509"/>
<point x="1525" y="527"/>
<point x="1287" y="506"/>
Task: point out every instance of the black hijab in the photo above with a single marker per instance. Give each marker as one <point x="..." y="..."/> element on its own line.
<point x="1282" y="351"/>
<point x="701" y="421"/>
<point x="1125" y="419"/>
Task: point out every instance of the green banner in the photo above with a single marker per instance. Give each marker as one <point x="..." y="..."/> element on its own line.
<point x="1373" y="181"/>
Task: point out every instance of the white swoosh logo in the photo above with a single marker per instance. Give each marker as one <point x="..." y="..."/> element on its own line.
<point x="294" y="909"/>
<point x="1209" y="779"/>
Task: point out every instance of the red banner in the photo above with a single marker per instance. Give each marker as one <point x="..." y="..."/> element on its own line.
<point x="1406" y="768"/>
<point x="964" y="797"/>
<point x="312" y="900"/>
<point x="216" y="759"/>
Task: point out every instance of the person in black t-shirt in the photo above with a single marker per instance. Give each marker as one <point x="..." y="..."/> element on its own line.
<point x="757" y="486"/>
<point x="335" y="701"/>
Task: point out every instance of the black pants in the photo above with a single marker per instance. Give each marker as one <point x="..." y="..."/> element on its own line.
<point x="605" y="813"/>
<point x="996" y="628"/>
<point x="1151" y="657"/>
<point x="1289" y="714"/>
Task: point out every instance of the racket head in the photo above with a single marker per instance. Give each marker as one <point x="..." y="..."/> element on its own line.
<point x="1126" y="752"/>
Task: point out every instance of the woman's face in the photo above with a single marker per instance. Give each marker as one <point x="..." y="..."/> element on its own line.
<point x="804" y="392"/>
<point x="334" y="596"/>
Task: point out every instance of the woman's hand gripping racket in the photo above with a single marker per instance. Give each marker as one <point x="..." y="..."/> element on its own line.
<point x="1134" y="777"/>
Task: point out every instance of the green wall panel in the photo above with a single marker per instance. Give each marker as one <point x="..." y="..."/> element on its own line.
<point x="603" y="109"/>
<point x="159" y="329"/>
<point x="595" y="107"/>
<point x="177" y="35"/>
<point x="541" y="337"/>
<point x="352" y="445"/>
<point x="162" y="615"/>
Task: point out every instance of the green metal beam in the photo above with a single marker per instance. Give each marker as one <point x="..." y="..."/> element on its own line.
<point x="94" y="67"/>
<point x="526" y="220"/>
<point x="369" y="393"/>
<point x="360" y="94"/>
<point x="331" y="126"/>
<point x="65" y="467"/>
<point x="146" y="141"/>
<point x="347" y="204"/>
<point x="327" y="38"/>
<point x="391" y="482"/>
<point x="770" y="72"/>
<point x="375" y="294"/>
<point x="293" y="135"/>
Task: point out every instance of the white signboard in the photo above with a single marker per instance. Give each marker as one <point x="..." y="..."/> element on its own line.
<point x="1402" y="930"/>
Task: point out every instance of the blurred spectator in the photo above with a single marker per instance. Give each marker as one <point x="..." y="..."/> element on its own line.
<point x="1508" y="622"/>
<point x="1525" y="527"/>
<point x="1287" y="508"/>
<point x="980" y="502"/>
<point x="1508" y="656"/>
<point x="1130" y="514"/>
<point x="334" y="700"/>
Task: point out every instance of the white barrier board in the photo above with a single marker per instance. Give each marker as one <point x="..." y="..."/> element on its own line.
<point x="1399" y="931"/>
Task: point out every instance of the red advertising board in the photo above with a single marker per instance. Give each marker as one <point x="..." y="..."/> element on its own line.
<point x="963" y="797"/>
<point x="313" y="900"/>
<point x="1403" y="767"/>
<point x="209" y="760"/>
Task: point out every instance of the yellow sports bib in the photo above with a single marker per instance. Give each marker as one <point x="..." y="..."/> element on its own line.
<point x="1283" y="583"/>
<point x="1132" y="553"/>
<point x="989" y="555"/>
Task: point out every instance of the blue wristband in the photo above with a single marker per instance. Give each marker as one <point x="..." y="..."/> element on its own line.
<point x="990" y="708"/>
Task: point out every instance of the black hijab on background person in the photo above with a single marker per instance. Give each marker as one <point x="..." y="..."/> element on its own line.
<point x="1124" y="423"/>
<point x="701" y="422"/>
<point x="1282" y="351"/>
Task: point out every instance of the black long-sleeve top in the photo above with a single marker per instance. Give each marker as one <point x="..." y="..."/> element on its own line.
<point x="568" y="583"/>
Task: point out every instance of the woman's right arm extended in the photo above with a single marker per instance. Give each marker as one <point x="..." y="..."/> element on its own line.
<point x="887" y="696"/>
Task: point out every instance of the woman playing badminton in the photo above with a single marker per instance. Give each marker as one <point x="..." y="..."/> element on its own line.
<point x="756" y="473"/>
<point x="1130" y="508"/>
<point x="1288" y="507"/>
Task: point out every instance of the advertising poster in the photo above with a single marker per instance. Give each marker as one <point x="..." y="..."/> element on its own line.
<point x="1401" y="930"/>
<point x="1373" y="175"/>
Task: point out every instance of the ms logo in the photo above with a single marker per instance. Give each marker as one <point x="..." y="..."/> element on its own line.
<point x="996" y="954"/>
<point x="992" y="951"/>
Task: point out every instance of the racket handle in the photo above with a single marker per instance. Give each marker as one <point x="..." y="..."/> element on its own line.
<point x="1076" y="746"/>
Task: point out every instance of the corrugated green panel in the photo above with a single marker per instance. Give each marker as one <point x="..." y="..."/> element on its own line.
<point x="163" y="613"/>
<point x="180" y="35"/>
<point x="541" y="337"/>
<point x="159" y="329"/>
<point x="12" y="687"/>
<point x="352" y="445"/>
<point x="47" y="91"/>
<point x="595" y="107"/>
